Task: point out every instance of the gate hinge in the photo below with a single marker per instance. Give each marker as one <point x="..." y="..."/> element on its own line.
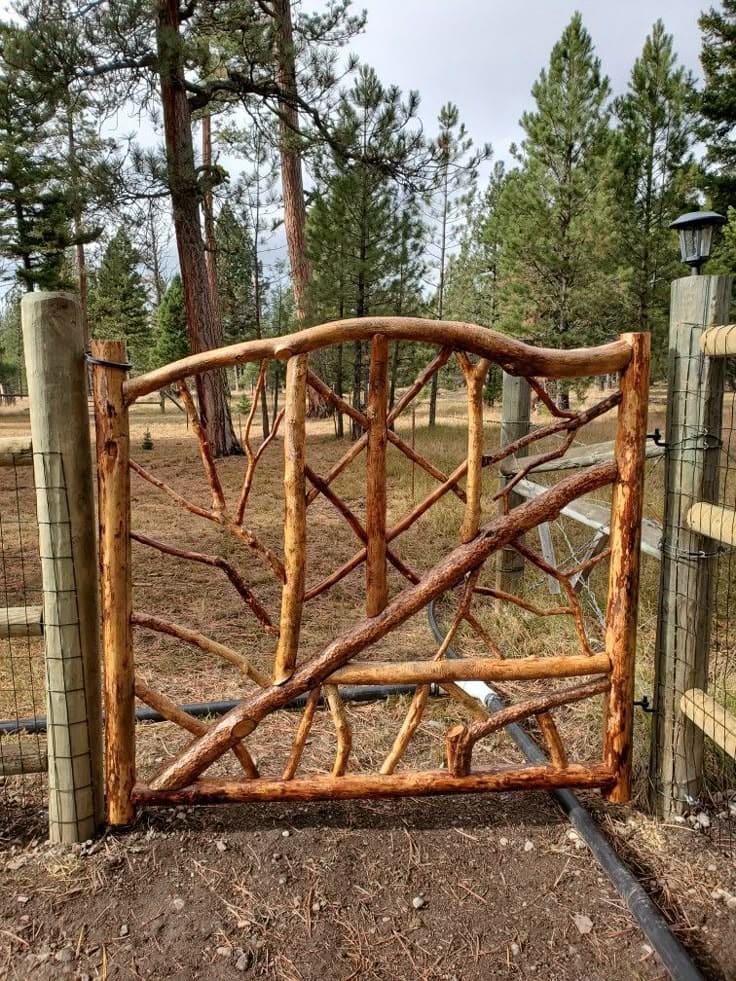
<point x="644" y="704"/>
<point x="657" y="439"/>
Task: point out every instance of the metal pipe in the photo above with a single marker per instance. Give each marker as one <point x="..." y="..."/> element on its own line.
<point x="647" y="914"/>
<point x="350" y="693"/>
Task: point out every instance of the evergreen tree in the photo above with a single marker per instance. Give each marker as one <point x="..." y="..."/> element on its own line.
<point x="234" y="275"/>
<point x="652" y="173"/>
<point x="556" y="277"/>
<point x="359" y="215"/>
<point x="471" y="289"/>
<point x="34" y="230"/>
<point x="118" y="304"/>
<point x="718" y="100"/>
<point x="171" y="338"/>
<point x="457" y="172"/>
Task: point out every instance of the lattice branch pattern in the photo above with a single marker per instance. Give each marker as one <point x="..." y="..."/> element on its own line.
<point x="321" y="673"/>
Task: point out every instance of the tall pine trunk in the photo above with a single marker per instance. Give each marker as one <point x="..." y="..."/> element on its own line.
<point x="204" y="328"/>
<point x="295" y="212"/>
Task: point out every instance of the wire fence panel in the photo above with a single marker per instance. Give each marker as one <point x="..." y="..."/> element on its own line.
<point x="692" y="766"/>
<point x="715" y="710"/>
<point x="22" y="676"/>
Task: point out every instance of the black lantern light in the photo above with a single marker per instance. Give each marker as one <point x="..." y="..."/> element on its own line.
<point x="695" y="230"/>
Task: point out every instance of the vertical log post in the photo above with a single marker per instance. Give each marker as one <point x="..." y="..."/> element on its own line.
<point x="53" y="341"/>
<point x="295" y="519"/>
<point x="113" y="495"/>
<point x="375" y="501"/>
<point x="515" y="423"/>
<point x="475" y="378"/>
<point x="694" y="414"/>
<point x="623" y="577"/>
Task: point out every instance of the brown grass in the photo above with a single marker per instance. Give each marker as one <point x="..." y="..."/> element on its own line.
<point x="202" y="598"/>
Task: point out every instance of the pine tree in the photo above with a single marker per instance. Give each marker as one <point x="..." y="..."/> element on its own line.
<point x="718" y="100"/>
<point x="235" y="275"/>
<point x="118" y="305"/>
<point x="171" y="338"/>
<point x="355" y="224"/>
<point x="471" y="289"/>
<point x="457" y="172"/>
<point x="34" y="228"/>
<point x="557" y="212"/>
<point x="652" y="173"/>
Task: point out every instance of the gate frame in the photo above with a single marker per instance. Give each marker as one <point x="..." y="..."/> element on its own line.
<point x="114" y="395"/>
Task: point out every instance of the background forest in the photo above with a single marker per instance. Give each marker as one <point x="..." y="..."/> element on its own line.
<point x="272" y="132"/>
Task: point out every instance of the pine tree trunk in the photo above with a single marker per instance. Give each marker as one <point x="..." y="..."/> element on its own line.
<point x="295" y="212"/>
<point x="339" y="390"/>
<point x="208" y="209"/>
<point x="394" y="375"/>
<point x="357" y="381"/>
<point x="292" y="183"/>
<point x="205" y="331"/>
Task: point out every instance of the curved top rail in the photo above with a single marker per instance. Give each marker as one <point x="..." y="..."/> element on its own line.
<point x="514" y="356"/>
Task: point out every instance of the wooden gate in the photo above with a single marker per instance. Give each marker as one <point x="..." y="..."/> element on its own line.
<point x="608" y="672"/>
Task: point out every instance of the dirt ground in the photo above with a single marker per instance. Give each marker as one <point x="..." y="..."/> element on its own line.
<point x="331" y="891"/>
<point x="475" y="887"/>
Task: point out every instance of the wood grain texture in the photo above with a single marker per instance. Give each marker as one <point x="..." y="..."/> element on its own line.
<point x="21" y="621"/>
<point x="692" y="469"/>
<point x="463" y="559"/>
<point x="295" y="519"/>
<point x="375" y="786"/>
<point x="713" y="521"/>
<point x="461" y="739"/>
<point x="173" y="713"/>
<point x="16" y="451"/>
<point x="475" y="377"/>
<point x="376" y="583"/>
<point x="713" y="719"/>
<point x="113" y="489"/>
<point x="53" y="344"/>
<point x="719" y="342"/>
<point x="515" y="356"/>
<point x="623" y="576"/>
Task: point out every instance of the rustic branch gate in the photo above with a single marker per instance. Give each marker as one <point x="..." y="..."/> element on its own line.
<point x="610" y="671"/>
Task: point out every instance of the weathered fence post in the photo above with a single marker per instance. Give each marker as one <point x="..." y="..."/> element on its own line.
<point x="53" y="342"/>
<point x="113" y="496"/>
<point x="694" y="410"/>
<point x="623" y="577"/>
<point x="515" y="423"/>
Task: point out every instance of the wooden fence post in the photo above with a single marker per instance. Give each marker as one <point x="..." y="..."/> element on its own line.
<point x="694" y="411"/>
<point x="623" y="577"/>
<point x="113" y="498"/>
<point x="515" y="423"/>
<point x="53" y="342"/>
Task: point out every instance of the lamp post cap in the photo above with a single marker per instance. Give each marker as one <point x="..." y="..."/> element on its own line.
<point x="697" y="218"/>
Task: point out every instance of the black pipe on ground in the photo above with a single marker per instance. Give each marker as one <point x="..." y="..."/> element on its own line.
<point x="350" y="693"/>
<point x="647" y="914"/>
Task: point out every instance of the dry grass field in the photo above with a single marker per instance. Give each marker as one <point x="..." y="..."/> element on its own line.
<point x="352" y="852"/>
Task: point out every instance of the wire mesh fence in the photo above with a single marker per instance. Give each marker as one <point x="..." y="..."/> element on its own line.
<point x="22" y="675"/>
<point x="692" y="765"/>
<point x="717" y="710"/>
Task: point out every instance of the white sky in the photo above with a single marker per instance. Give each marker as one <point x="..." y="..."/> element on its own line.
<point x="484" y="55"/>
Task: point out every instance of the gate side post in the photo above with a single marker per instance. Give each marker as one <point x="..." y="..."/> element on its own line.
<point x="623" y="577"/>
<point x="113" y="498"/>
<point x="515" y="423"/>
<point x="694" y="415"/>
<point x="53" y="343"/>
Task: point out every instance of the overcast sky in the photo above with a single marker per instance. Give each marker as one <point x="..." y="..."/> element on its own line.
<point x="484" y="55"/>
